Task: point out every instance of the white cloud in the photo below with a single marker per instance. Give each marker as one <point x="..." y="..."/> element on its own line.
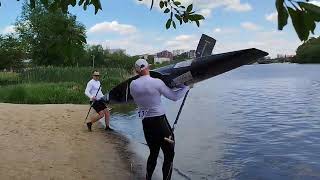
<point x="224" y="31"/>
<point x="182" y="42"/>
<point x="113" y="26"/>
<point x="273" y="42"/>
<point x="250" y="26"/>
<point x="205" y="12"/>
<point x="217" y="30"/>
<point x="133" y="44"/>
<point x="8" y="29"/>
<point x="272" y="17"/>
<point x="235" y="5"/>
<point x="317" y="3"/>
<point x="205" y="7"/>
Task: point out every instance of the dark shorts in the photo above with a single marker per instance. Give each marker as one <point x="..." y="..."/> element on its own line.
<point x="98" y="106"/>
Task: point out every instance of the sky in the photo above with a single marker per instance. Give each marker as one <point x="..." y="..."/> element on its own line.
<point x="130" y="25"/>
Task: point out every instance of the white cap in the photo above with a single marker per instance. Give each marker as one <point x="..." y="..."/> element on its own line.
<point x="141" y="64"/>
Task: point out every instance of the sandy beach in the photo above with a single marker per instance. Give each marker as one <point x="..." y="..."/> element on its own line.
<point x="51" y="142"/>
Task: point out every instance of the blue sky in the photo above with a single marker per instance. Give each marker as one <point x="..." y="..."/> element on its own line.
<point x="129" y="24"/>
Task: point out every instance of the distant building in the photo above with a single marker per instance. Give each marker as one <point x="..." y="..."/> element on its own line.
<point x="284" y="56"/>
<point x="143" y="56"/>
<point x="159" y="60"/>
<point x="190" y="54"/>
<point x="178" y="52"/>
<point x="165" y="54"/>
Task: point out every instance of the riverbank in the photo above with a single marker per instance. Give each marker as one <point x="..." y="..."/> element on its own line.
<point x="51" y="142"/>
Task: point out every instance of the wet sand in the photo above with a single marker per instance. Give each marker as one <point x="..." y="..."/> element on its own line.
<point x="51" y="142"/>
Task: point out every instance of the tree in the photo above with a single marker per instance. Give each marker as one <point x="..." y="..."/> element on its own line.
<point x="96" y="54"/>
<point x="53" y="37"/>
<point x="150" y="59"/>
<point x="11" y="52"/>
<point x="304" y="15"/>
<point x="308" y="52"/>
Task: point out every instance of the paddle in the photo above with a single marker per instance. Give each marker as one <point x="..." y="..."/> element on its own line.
<point x="94" y="100"/>
<point x="205" y="47"/>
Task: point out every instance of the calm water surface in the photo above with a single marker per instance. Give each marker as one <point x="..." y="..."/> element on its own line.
<point x="255" y="122"/>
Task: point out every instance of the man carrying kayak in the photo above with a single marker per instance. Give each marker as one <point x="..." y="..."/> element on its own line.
<point x="146" y="92"/>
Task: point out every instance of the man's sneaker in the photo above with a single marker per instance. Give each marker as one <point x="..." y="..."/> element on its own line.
<point x="89" y="125"/>
<point x="108" y="128"/>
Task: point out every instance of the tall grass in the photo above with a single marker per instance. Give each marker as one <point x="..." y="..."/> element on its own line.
<point x="7" y="78"/>
<point x="69" y="74"/>
<point x="43" y="93"/>
<point x="55" y="85"/>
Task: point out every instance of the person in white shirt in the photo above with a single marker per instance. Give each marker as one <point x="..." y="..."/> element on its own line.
<point x="94" y="93"/>
<point x="146" y="92"/>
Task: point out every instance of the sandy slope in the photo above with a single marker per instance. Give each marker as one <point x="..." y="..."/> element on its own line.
<point x="51" y="142"/>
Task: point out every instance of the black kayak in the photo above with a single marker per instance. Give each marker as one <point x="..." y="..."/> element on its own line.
<point x="191" y="71"/>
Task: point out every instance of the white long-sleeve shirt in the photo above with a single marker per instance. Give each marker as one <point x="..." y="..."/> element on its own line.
<point x="146" y="92"/>
<point x="92" y="88"/>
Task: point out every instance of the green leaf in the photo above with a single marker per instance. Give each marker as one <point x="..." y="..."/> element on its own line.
<point x="167" y="10"/>
<point x="192" y="17"/>
<point x="174" y="24"/>
<point x="166" y="3"/>
<point x="177" y="3"/>
<point x="83" y="39"/>
<point x="73" y="2"/>
<point x="282" y="14"/>
<point x="161" y="4"/>
<point x="198" y="23"/>
<point x="80" y="2"/>
<point x="315" y="17"/>
<point x="310" y="25"/>
<point x="299" y="25"/>
<point x="178" y="17"/>
<point x="168" y="24"/>
<point x="198" y="17"/>
<point x="189" y="8"/>
<point x="312" y="9"/>
<point x="185" y="19"/>
<point x="45" y="3"/>
<point x="97" y="5"/>
<point x="32" y="3"/>
<point x="152" y="2"/>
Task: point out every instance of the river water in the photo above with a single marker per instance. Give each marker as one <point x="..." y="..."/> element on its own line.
<point x="255" y="122"/>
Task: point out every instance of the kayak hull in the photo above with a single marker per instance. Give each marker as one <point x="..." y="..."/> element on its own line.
<point x="191" y="71"/>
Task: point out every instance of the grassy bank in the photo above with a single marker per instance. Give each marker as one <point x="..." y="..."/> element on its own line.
<point x="54" y="85"/>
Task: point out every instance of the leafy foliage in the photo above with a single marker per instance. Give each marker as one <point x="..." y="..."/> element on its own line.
<point x="52" y="37"/>
<point x="304" y="16"/>
<point x="308" y="52"/>
<point x="11" y="52"/>
<point x="173" y="8"/>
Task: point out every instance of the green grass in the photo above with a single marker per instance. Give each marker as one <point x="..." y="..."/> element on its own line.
<point x="7" y="78"/>
<point x="54" y="85"/>
<point x="70" y="74"/>
<point x="43" y="93"/>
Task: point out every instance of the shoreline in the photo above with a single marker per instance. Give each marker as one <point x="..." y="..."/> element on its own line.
<point x="51" y="142"/>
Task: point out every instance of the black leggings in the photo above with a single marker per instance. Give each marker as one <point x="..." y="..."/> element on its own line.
<point x="155" y="130"/>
